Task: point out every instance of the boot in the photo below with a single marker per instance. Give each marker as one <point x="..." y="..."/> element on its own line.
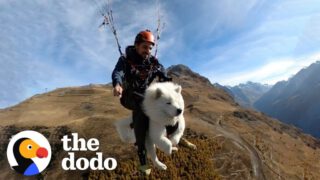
<point x="144" y="168"/>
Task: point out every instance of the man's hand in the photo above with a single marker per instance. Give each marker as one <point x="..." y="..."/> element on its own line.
<point x="117" y="90"/>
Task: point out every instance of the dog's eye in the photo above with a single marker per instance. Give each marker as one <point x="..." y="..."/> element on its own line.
<point x="169" y="103"/>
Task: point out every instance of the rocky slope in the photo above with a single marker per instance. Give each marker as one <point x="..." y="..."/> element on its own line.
<point x="296" y="101"/>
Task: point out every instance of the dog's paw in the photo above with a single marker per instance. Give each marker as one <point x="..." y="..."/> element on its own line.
<point x="160" y="165"/>
<point x="175" y="140"/>
<point x="174" y="149"/>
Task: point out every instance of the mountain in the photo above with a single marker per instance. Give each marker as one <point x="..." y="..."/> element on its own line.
<point x="232" y="142"/>
<point x="227" y="89"/>
<point x="246" y="94"/>
<point x="296" y="101"/>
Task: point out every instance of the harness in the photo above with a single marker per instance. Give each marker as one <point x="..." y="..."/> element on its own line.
<point x="137" y="78"/>
<point x="143" y="72"/>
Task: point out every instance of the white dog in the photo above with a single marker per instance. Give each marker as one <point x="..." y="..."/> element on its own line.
<point x="164" y="105"/>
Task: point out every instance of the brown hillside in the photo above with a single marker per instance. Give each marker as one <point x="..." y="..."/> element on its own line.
<point x="233" y="143"/>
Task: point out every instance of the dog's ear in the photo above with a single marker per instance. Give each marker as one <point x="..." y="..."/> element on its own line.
<point x="158" y="93"/>
<point x="178" y="89"/>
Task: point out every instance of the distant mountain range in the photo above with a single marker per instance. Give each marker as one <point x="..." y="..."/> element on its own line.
<point x="296" y="101"/>
<point x="246" y="94"/>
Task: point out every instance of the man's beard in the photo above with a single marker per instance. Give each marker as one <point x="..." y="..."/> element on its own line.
<point x="146" y="56"/>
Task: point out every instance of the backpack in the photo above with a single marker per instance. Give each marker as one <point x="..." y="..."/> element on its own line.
<point x="129" y="100"/>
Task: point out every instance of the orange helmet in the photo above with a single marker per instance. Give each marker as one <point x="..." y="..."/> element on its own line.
<point x="144" y="36"/>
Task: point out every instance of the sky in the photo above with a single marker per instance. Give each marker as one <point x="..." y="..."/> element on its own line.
<point x="48" y="44"/>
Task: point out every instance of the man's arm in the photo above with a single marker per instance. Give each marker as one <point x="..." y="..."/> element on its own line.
<point x="117" y="76"/>
<point x="162" y="74"/>
<point x="118" y="72"/>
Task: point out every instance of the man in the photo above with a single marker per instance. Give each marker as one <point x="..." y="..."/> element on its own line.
<point x="132" y="75"/>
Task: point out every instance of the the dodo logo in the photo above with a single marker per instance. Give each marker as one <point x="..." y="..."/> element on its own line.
<point x="29" y="152"/>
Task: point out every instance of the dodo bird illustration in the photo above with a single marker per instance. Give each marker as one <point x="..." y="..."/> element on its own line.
<point x="24" y="150"/>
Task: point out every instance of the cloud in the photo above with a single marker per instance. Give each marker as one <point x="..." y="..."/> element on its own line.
<point x="12" y="85"/>
<point x="269" y="73"/>
<point x="309" y="40"/>
<point x="50" y="44"/>
<point x="286" y="29"/>
<point x="38" y="46"/>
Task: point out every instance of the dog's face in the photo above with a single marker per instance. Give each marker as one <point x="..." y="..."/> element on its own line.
<point x="170" y="101"/>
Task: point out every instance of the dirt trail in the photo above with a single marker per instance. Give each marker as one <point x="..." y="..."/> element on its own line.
<point x="254" y="156"/>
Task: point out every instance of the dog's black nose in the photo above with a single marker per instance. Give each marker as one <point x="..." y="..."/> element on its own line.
<point x="179" y="111"/>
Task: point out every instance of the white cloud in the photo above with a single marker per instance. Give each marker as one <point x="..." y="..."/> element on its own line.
<point x="270" y="73"/>
<point x="309" y="39"/>
<point x="287" y="30"/>
<point x="10" y="82"/>
<point x="50" y="44"/>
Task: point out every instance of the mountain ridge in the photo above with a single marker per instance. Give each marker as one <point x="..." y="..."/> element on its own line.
<point x="246" y="94"/>
<point x="233" y="142"/>
<point x="296" y="101"/>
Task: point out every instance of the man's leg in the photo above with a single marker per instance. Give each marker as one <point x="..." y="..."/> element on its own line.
<point x="140" y="125"/>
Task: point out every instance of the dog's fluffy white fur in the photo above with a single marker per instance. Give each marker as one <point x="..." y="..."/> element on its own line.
<point x="164" y="105"/>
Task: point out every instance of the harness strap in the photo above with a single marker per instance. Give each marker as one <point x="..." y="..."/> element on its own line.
<point x="144" y="73"/>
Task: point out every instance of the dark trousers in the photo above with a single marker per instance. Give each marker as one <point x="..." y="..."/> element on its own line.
<point x="140" y="126"/>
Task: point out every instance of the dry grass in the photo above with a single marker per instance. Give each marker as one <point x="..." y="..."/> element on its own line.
<point x="184" y="164"/>
<point x="285" y="151"/>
